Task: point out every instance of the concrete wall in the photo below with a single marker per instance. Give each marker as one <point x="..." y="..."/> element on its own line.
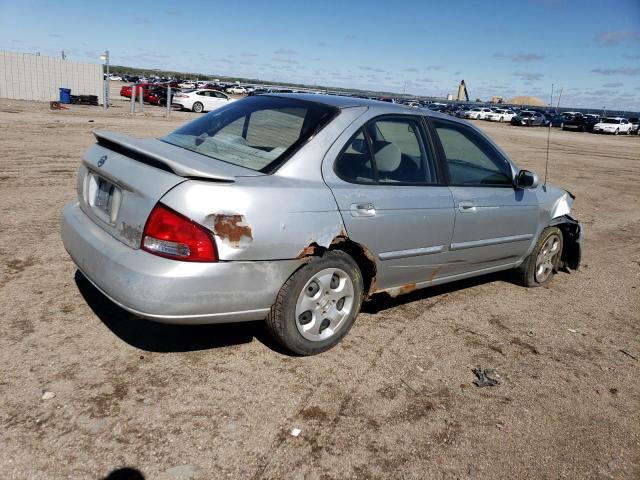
<point x="25" y="76"/>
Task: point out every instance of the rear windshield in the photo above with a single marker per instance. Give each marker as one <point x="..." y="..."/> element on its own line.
<point x="257" y="133"/>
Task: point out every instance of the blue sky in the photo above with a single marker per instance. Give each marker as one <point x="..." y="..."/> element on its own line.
<point x="590" y="48"/>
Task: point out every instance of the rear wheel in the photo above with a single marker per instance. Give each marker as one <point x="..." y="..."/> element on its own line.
<point x="540" y="266"/>
<point x="197" y="107"/>
<point x="501" y="119"/>
<point x="318" y="304"/>
<point x="616" y="132"/>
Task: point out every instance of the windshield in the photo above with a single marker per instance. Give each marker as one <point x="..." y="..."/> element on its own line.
<point x="526" y="114"/>
<point x="257" y="133"/>
<point x="610" y="120"/>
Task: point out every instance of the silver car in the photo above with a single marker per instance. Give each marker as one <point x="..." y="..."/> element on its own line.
<point x="294" y="208"/>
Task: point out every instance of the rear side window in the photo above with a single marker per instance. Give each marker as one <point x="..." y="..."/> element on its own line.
<point x="354" y="163"/>
<point x="471" y="160"/>
<point x="387" y="151"/>
<point x="257" y="132"/>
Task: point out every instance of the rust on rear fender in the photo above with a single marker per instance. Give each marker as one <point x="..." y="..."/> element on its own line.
<point x="232" y="229"/>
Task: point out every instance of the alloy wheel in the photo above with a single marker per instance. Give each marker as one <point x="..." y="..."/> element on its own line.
<point x="324" y="304"/>
<point x="546" y="261"/>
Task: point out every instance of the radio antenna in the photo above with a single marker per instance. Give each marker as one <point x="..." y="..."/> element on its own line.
<point x="546" y="165"/>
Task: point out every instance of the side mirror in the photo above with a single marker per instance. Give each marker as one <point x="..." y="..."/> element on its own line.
<point x="526" y="179"/>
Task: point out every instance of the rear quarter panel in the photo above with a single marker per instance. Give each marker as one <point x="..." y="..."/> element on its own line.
<point x="261" y="218"/>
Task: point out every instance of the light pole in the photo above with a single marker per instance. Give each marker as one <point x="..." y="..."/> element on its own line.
<point x="105" y="58"/>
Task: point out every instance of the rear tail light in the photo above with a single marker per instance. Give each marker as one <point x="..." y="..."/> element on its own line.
<point x="169" y="234"/>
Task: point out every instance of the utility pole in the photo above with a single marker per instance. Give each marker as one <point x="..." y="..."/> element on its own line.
<point x="105" y="57"/>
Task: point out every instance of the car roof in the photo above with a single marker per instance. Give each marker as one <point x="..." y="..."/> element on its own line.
<point x="340" y="101"/>
<point x="380" y="107"/>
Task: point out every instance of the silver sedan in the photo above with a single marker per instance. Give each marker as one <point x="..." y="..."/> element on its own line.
<point x="295" y="208"/>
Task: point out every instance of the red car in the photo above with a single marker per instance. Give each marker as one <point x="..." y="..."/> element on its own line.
<point x="126" y="90"/>
<point x="157" y="95"/>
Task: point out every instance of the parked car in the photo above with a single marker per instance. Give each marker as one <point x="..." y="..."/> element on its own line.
<point x="187" y="84"/>
<point x="199" y="226"/>
<point x="258" y="91"/>
<point x="613" y="125"/>
<point x="158" y="95"/>
<point x="236" y="90"/>
<point x="580" y="123"/>
<point x="557" y="119"/>
<point x="501" y="115"/>
<point x="200" y="100"/>
<point x="635" y="125"/>
<point x="528" y="118"/>
<point x="477" y="113"/>
<point x="125" y="91"/>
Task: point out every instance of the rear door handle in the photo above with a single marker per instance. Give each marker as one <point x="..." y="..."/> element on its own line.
<point x="362" y="210"/>
<point x="467" y="207"/>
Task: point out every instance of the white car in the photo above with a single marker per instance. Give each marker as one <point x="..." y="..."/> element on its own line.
<point x="187" y="85"/>
<point x="501" y="115"/>
<point x="115" y="78"/>
<point x="613" y="125"/>
<point x="201" y="100"/>
<point x="478" y="113"/>
<point x="236" y="90"/>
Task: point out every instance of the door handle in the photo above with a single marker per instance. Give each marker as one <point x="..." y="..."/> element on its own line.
<point x="467" y="207"/>
<point x="362" y="210"/>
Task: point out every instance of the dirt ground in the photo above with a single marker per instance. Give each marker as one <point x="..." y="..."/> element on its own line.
<point x="394" y="400"/>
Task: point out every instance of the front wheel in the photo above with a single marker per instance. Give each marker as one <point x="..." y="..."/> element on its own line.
<point x="501" y="119"/>
<point x="197" y="107"/>
<point x="616" y="132"/>
<point x="540" y="266"/>
<point x="318" y="304"/>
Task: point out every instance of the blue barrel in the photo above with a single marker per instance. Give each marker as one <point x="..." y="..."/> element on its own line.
<point x="65" y="95"/>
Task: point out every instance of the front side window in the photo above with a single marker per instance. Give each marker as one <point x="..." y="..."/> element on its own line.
<point x="256" y="132"/>
<point x="471" y="160"/>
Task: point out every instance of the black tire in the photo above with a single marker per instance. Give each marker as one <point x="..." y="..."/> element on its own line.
<point x="562" y="127"/>
<point x="616" y="132"/>
<point x="282" y="322"/>
<point x="197" y="107"/>
<point x="162" y="102"/>
<point x="525" y="274"/>
<point x="501" y="120"/>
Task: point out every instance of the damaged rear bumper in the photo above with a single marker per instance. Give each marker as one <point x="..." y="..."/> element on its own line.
<point x="167" y="290"/>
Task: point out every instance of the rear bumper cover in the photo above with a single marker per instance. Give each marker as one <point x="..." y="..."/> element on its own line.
<point x="167" y="290"/>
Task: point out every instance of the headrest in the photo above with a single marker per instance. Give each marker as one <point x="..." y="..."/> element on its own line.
<point x="388" y="156"/>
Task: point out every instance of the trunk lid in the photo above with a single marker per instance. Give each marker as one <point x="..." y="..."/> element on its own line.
<point x="122" y="178"/>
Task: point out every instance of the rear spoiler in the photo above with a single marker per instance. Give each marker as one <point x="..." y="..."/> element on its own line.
<point x="170" y="158"/>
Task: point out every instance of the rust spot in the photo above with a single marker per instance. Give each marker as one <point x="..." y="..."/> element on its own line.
<point x="232" y="229"/>
<point x="372" y="259"/>
<point x="309" y="251"/>
<point x="433" y="274"/>
<point x="394" y="292"/>
<point x="340" y="237"/>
